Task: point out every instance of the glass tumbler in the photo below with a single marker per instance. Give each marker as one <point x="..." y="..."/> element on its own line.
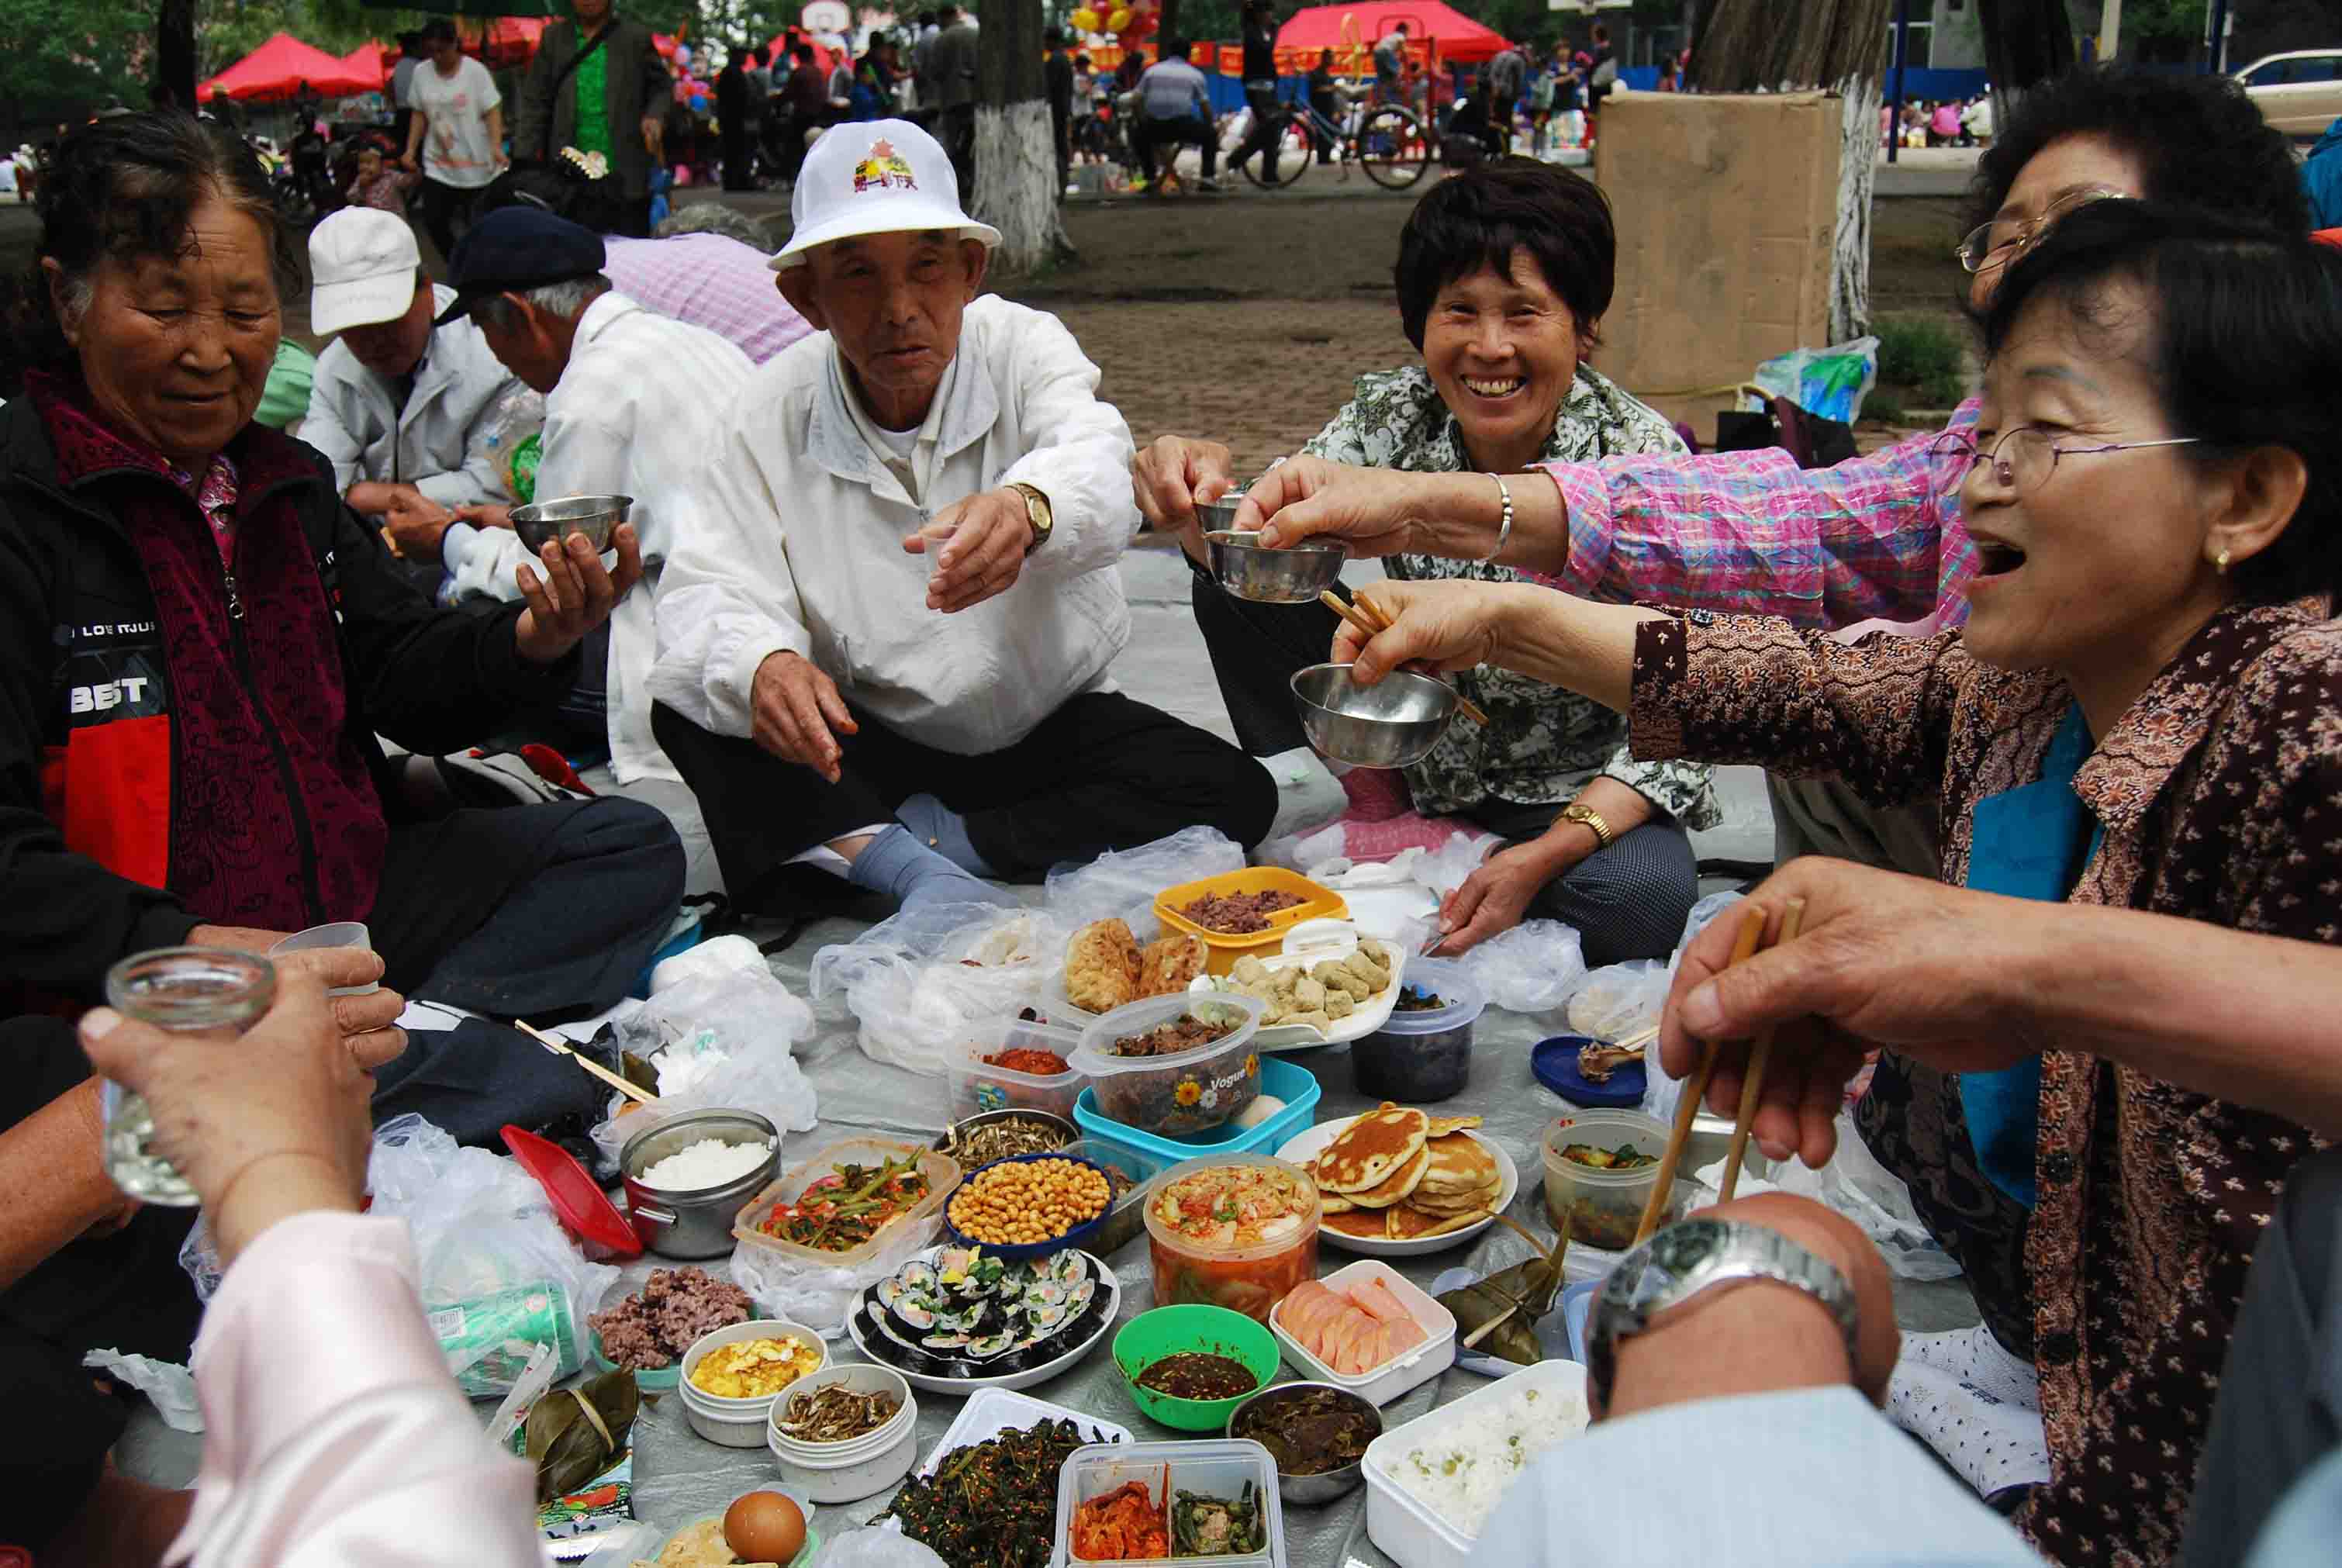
<point x="187" y="990"/>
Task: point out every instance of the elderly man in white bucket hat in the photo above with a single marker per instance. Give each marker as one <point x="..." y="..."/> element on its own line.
<point x="885" y="626"/>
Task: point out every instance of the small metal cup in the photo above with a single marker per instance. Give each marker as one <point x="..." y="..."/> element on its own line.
<point x="1392" y="724"/>
<point x="596" y="516"/>
<point x="1294" y="576"/>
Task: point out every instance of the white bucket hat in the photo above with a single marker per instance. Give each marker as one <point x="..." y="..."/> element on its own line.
<point x="361" y="269"/>
<point x="874" y="177"/>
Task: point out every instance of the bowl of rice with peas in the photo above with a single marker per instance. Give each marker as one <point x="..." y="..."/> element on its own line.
<point x="1434" y="1481"/>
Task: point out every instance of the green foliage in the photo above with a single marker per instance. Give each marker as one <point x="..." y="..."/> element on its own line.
<point x="2165" y="21"/>
<point x="1923" y="353"/>
<point x="68" y="55"/>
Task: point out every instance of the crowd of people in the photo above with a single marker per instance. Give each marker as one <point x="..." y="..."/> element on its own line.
<point x="854" y="642"/>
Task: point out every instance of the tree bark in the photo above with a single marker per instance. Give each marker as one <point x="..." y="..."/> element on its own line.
<point x="174" y="55"/>
<point x="1859" y="97"/>
<point x="1016" y="188"/>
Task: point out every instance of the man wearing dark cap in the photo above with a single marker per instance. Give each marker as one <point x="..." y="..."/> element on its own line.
<point x="627" y="396"/>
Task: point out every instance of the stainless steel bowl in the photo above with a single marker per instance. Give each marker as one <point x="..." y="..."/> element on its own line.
<point x="1313" y="1491"/>
<point x="696" y="1224"/>
<point x="1294" y="576"/>
<point x="1392" y="724"/>
<point x="596" y="516"/>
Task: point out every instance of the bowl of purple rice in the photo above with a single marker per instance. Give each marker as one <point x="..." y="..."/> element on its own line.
<point x="647" y="1331"/>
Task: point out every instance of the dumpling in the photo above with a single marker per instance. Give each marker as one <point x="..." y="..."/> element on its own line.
<point x="1338" y="1004"/>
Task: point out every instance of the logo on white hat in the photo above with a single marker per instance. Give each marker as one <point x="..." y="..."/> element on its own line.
<point x="883" y="169"/>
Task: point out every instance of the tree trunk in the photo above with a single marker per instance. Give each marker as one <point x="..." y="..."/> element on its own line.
<point x="175" y="56"/>
<point x="1858" y="176"/>
<point x="1016" y="186"/>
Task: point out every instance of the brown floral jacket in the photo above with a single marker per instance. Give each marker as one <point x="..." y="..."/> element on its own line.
<point x="2221" y="795"/>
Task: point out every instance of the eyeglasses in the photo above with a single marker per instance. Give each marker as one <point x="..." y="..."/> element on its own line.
<point x="2003" y="240"/>
<point x="2024" y="459"/>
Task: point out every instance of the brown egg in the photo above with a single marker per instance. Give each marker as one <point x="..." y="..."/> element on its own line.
<point x="765" y="1527"/>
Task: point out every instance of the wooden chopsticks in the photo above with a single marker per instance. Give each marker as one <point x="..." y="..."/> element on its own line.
<point x="1695" y="1090"/>
<point x="1362" y="613"/>
<point x="560" y="1047"/>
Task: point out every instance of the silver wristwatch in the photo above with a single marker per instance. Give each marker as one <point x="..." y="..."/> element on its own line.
<point x="1696" y="1255"/>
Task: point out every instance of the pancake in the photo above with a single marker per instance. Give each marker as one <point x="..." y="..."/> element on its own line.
<point x="1102" y="967"/>
<point x="1330" y="1204"/>
<point x="1372" y="1148"/>
<point x="1443" y="1125"/>
<point x="1168" y="963"/>
<point x="1410" y="1224"/>
<point x="1458" y="1163"/>
<point x="1484" y="1197"/>
<point x="1367" y="1224"/>
<point x="1395" y="1190"/>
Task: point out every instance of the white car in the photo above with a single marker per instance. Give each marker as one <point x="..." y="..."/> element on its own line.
<point x="2299" y="93"/>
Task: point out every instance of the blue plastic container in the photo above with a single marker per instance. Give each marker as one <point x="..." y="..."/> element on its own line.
<point x="1081" y="1235"/>
<point x="1555" y="1063"/>
<point x="1293" y="1083"/>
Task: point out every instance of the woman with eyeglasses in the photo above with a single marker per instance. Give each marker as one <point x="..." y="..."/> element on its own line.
<point x="2144" y="710"/>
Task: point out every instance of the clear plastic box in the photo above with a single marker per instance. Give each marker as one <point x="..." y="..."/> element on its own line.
<point x="942" y="1172"/>
<point x="1250" y="1278"/>
<point x="977" y="1087"/>
<point x="1213" y="1467"/>
<point x="1380" y="1383"/>
<point x="1189" y="1092"/>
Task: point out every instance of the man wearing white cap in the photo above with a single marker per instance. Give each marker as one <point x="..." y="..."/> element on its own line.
<point x="410" y="417"/>
<point x="887" y="620"/>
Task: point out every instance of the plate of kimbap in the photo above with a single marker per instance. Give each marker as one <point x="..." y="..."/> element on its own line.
<point x="956" y="1319"/>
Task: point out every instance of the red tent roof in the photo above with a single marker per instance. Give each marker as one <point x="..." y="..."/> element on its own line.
<point x="1352" y="31"/>
<point x="371" y="64"/>
<point x="277" y="68"/>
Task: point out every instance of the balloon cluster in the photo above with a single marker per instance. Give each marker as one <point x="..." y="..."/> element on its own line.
<point x="1129" y="24"/>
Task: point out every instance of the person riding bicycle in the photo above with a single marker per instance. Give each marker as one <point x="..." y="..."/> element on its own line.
<point x="1390" y="58"/>
<point x="1173" y="107"/>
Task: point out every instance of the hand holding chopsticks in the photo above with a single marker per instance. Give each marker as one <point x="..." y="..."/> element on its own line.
<point x="1364" y="615"/>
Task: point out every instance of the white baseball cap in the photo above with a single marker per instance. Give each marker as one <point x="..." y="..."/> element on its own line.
<point x="362" y="268"/>
<point x="874" y="177"/>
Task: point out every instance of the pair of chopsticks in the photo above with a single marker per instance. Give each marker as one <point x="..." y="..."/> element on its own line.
<point x="1694" y="1091"/>
<point x="1363" y="614"/>
<point x="560" y="1047"/>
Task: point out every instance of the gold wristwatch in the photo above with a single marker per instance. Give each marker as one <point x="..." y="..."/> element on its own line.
<point x="1037" y="511"/>
<point x="1603" y="836"/>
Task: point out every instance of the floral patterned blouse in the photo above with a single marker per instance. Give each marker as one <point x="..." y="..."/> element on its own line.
<point x="2219" y="794"/>
<point x="1542" y="745"/>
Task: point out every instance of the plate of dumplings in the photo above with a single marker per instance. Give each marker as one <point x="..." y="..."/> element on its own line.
<point x="1328" y="987"/>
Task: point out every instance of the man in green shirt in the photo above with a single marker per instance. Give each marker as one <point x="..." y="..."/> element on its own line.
<point x="598" y="84"/>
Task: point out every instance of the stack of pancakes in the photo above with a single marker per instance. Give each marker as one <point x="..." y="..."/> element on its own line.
<point x="1398" y="1174"/>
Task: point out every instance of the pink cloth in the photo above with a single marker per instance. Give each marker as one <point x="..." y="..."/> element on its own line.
<point x="215" y="496"/>
<point x="332" y="1434"/>
<point x="1876" y="538"/>
<point x="1946" y="120"/>
<point x="711" y="280"/>
<point x="1381" y="820"/>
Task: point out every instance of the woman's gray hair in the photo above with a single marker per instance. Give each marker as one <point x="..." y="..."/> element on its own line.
<point x="566" y="300"/>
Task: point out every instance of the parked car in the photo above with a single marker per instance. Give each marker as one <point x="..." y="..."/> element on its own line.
<point x="2298" y="93"/>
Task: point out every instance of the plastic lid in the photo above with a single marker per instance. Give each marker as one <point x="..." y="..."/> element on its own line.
<point x="1555" y="1063"/>
<point x="589" y="1215"/>
<point x="1095" y="1055"/>
<point x="1445" y="979"/>
<point x="1283" y="1243"/>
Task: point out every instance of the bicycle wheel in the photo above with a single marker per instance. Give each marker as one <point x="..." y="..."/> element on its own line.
<point x="1295" y="146"/>
<point x="1392" y="148"/>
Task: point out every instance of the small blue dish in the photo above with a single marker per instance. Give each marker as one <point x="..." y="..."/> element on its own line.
<point x="1555" y="1063"/>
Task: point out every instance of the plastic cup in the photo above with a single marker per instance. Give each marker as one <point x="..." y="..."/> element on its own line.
<point x="187" y="990"/>
<point x="340" y="933"/>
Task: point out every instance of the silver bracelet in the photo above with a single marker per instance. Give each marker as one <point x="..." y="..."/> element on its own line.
<point x="1505" y="527"/>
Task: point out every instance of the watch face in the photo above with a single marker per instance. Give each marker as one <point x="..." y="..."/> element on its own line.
<point x="1680" y="1248"/>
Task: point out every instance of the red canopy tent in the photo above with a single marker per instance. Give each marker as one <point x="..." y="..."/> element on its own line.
<point x="776" y="55"/>
<point x="274" y="72"/>
<point x="1352" y="31"/>
<point x="371" y="64"/>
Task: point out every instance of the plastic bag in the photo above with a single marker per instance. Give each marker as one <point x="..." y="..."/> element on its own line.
<point x="743" y="1024"/>
<point x="1619" y="1000"/>
<point x="1445" y="869"/>
<point x="874" y="1546"/>
<point x="1829" y="382"/>
<point x="920" y="981"/>
<point x="1855" y="1184"/>
<point x="499" y="1275"/>
<point x="1125" y="881"/>
<point x="821" y="1298"/>
<point x="1532" y="968"/>
<point x="1662" y="1093"/>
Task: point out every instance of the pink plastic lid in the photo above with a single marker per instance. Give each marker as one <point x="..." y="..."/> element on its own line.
<point x="590" y="1215"/>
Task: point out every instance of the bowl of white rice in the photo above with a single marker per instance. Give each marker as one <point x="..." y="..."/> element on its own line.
<point x="688" y="1176"/>
<point x="1432" y="1484"/>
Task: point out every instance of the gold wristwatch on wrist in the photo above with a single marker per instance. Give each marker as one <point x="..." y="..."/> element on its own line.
<point x="1036" y="513"/>
<point x="1603" y="836"/>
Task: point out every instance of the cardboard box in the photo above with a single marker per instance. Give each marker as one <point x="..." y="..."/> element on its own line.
<point x="1726" y="206"/>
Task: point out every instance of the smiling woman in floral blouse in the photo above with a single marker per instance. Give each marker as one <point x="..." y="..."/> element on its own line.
<point x="1503" y="273"/>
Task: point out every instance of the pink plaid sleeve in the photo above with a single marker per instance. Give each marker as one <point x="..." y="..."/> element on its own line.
<point x="1750" y="532"/>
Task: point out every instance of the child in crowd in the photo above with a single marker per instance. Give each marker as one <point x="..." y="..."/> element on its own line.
<point x="381" y="184"/>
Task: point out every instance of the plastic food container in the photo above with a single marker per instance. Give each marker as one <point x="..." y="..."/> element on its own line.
<point x="1318" y="903"/>
<point x="1128" y="1217"/>
<point x="1191" y="1091"/>
<point x="1213" y="1467"/>
<point x="1212" y="1331"/>
<point x="1410" y="1533"/>
<point x="859" y="1467"/>
<point x="739" y="1423"/>
<point x="1295" y="1085"/>
<point x="941" y="1170"/>
<point x="1247" y="1279"/>
<point x="1604" y="1208"/>
<point x="976" y="1086"/>
<point x="1409" y="1369"/>
<point x="1417" y="1057"/>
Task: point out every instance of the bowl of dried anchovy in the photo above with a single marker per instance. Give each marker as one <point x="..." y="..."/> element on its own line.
<point x="844" y="1433"/>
